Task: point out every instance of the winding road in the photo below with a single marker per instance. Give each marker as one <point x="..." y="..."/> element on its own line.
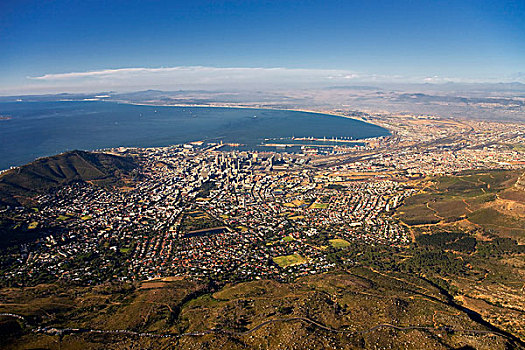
<point x="67" y="331"/>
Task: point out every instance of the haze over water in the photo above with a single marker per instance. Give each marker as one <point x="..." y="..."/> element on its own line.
<point x="37" y="129"/>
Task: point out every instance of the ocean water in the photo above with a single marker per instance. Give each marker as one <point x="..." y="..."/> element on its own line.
<point x="37" y="129"/>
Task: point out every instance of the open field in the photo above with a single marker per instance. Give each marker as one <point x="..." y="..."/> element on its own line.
<point x="318" y="205"/>
<point x="339" y="243"/>
<point x="289" y="260"/>
<point x="197" y="220"/>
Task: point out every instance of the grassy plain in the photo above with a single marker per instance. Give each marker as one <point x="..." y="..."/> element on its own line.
<point x="339" y="243"/>
<point x="289" y="260"/>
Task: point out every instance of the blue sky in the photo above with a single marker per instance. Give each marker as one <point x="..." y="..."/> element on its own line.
<point x="310" y="41"/>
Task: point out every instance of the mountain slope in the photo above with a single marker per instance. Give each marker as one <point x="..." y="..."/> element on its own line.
<point x="42" y="175"/>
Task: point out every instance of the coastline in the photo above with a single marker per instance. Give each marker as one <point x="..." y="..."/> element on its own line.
<point x="329" y="113"/>
<point x="313" y="113"/>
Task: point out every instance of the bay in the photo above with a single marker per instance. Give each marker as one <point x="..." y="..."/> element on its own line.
<point x="29" y="130"/>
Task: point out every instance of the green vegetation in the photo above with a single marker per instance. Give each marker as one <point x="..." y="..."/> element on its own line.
<point x="474" y="197"/>
<point x="445" y="240"/>
<point x="520" y="147"/>
<point x="457" y="262"/>
<point x="318" y="205"/>
<point x="467" y="232"/>
<point x="204" y="191"/>
<point x="32" y="225"/>
<point x="198" y="220"/>
<point x="440" y="263"/>
<point x="336" y="187"/>
<point x="499" y="247"/>
<point x="289" y="260"/>
<point x="490" y="217"/>
<point x="42" y="175"/>
<point x="339" y="243"/>
<point x="355" y="300"/>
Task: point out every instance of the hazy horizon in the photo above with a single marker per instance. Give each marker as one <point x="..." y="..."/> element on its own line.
<point x="125" y="46"/>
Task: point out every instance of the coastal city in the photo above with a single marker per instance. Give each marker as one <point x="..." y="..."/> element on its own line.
<point x="212" y="210"/>
<point x="214" y="214"/>
<point x="284" y="175"/>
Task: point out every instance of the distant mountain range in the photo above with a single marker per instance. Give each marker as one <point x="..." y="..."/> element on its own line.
<point x="244" y="95"/>
<point x="482" y="101"/>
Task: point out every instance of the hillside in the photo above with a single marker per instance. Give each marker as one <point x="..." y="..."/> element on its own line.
<point x="17" y="186"/>
<point x="489" y="201"/>
<point x="458" y="286"/>
<point x="470" y="229"/>
<point x="353" y="309"/>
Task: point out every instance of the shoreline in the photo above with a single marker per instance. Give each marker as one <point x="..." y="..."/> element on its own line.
<point x="313" y="112"/>
<point x="329" y="113"/>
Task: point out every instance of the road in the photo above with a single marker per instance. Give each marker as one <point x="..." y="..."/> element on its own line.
<point x="67" y="331"/>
